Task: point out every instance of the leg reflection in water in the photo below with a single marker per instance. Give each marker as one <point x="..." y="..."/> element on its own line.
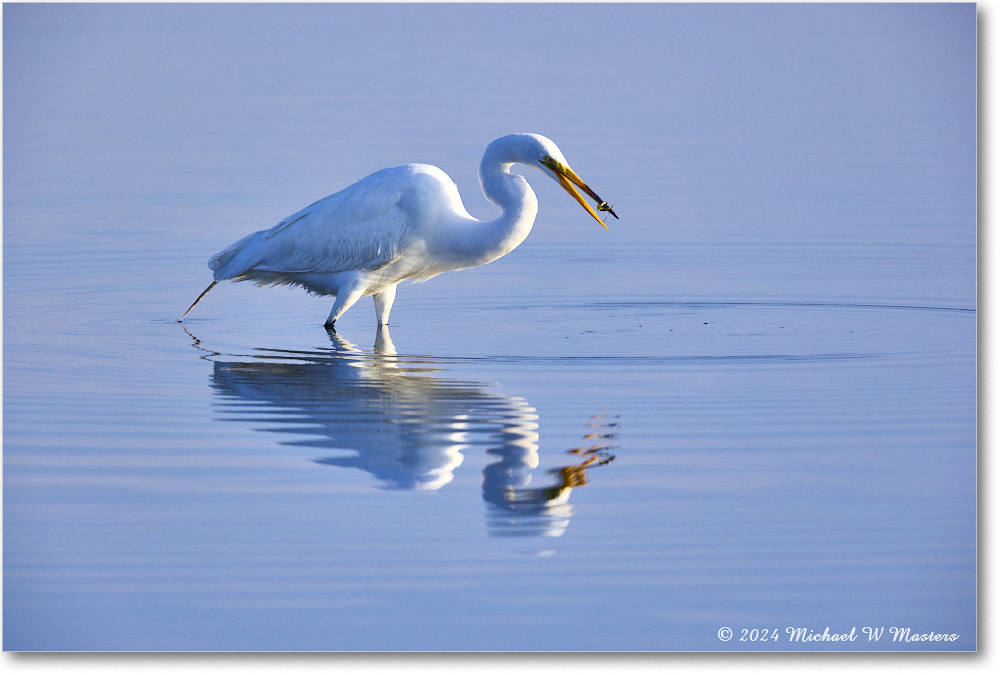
<point x="403" y="421"/>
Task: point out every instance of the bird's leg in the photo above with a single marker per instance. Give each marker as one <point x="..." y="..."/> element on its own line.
<point x="346" y="297"/>
<point x="383" y="304"/>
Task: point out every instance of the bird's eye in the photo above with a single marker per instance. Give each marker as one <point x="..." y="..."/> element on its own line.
<point x="548" y="160"/>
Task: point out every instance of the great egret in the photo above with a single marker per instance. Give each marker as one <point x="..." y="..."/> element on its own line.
<point x="403" y="223"/>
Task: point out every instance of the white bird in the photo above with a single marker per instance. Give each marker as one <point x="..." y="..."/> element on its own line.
<point x="402" y="223"/>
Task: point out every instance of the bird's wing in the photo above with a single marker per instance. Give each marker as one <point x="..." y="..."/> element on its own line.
<point x="364" y="226"/>
<point x="360" y="227"/>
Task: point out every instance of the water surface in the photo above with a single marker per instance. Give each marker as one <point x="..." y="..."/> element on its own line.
<point x="750" y="405"/>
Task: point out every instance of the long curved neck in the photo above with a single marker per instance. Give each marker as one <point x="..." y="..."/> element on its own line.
<point x="463" y="241"/>
<point x="514" y="196"/>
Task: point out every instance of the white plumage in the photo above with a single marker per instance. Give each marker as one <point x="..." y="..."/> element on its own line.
<point x="406" y="223"/>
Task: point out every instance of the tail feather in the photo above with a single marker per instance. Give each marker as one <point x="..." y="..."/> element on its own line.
<point x="237" y="258"/>
<point x="203" y="293"/>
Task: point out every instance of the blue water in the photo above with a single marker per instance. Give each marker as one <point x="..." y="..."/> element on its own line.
<point x="750" y="405"/>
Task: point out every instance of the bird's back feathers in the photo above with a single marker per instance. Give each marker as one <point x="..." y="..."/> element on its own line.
<point x="362" y="227"/>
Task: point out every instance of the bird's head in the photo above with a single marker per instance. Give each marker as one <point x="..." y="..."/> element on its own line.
<point x="538" y="151"/>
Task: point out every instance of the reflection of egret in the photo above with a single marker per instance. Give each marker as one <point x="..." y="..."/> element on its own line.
<point x="399" y="224"/>
<point x="396" y="418"/>
<point x="519" y="510"/>
<point x="390" y="417"/>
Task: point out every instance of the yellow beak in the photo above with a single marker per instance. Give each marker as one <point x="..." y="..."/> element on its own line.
<point x="568" y="178"/>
